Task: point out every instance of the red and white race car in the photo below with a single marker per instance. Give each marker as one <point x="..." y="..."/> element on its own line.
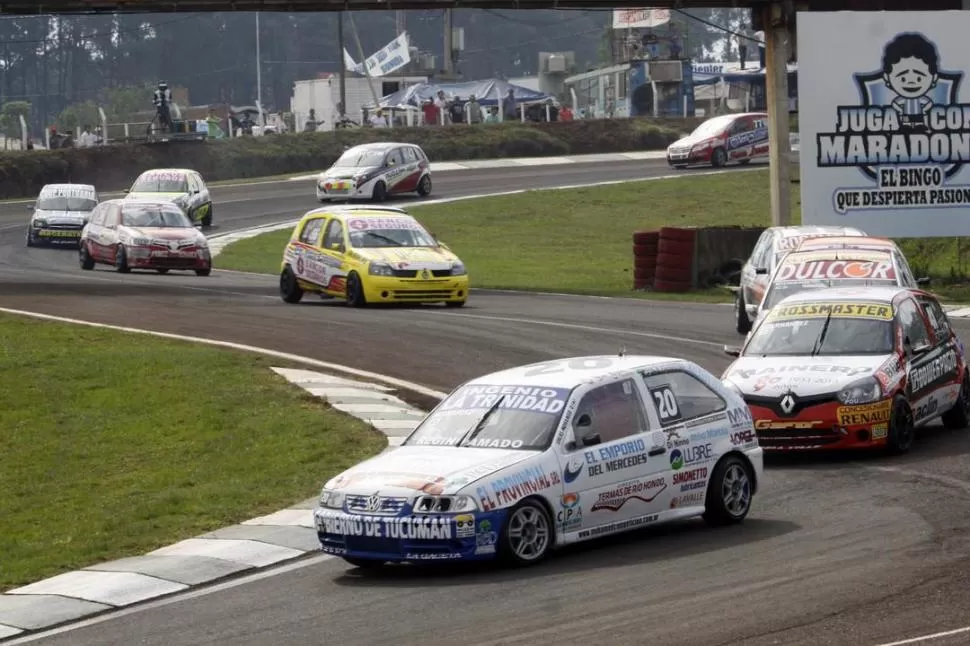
<point x="847" y="368"/>
<point x="143" y="234"/>
<point x="729" y="138"/>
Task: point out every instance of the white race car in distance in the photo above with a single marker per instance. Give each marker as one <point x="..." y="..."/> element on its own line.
<point x="376" y="171"/>
<point x="519" y="462"/>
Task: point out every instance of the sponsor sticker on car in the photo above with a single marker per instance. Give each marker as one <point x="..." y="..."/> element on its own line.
<point x="863" y="415"/>
<point x="821" y="310"/>
<point x="837" y="270"/>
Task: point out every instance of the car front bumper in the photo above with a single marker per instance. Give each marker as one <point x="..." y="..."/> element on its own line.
<point x="390" y="289"/>
<point x="827" y="426"/>
<point x="409" y="537"/>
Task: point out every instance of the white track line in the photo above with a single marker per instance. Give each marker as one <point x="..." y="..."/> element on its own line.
<point x="926" y="638"/>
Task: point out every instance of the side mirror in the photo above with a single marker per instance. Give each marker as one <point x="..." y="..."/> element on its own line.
<point x="591" y="439"/>
<point x="732" y="350"/>
<point x="195" y="192"/>
<point x="126" y="191"/>
<point x="925" y="280"/>
<point x="761" y="271"/>
<point x="584" y="421"/>
<point x="337" y="246"/>
<point x="921" y="350"/>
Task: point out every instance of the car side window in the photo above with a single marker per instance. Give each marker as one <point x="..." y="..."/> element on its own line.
<point x="311" y="232"/>
<point x="905" y="272"/>
<point x="763" y="260"/>
<point x="394" y="157"/>
<point x="938" y="319"/>
<point x="759" y="248"/>
<point x="680" y="396"/>
<point x="190" y="183"/>
<point x="200" y="183"/>
<point x="912" y="323"/>
<point x="112" y="217"/>
<point x="334" y="235"/>
<point x="612" y="411"/>
<point x="409" y="156"/>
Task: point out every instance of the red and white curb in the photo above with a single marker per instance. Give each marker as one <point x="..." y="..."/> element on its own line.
<point x="253" y="544"/>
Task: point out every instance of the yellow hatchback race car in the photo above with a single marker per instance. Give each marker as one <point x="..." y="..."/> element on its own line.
<point x="369" y="254"/>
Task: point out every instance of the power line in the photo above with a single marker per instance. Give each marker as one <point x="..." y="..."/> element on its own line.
<point x="719" y="27"/>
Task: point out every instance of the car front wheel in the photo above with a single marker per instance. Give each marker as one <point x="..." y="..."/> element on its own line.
<point x="901" y="427"/>
<point x="527" y="535"/>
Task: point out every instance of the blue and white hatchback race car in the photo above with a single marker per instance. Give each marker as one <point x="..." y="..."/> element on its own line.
<point x="519" y="462"/>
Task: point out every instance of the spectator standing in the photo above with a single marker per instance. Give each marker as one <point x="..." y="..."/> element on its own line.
<point x="441" y="102"/>
<point x="377" y="119"/>
<point x="492" y="116"/>
<point x="565" y="113"/>
<point x="508" y="105"/>
<point x="457" y="109"/>
<point x="474" y="110"/>
<point x="430" y="111"/>
<point x="311" y="122"/>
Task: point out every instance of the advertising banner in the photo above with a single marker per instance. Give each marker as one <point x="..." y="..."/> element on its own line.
<point x="643" y="18"/>
<point x="390" y="58"/>
<point x="885" y="116"/>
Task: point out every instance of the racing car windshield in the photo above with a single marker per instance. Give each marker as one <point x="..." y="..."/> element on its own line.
<point x="64" y="203"/>
<point x="712" y="127"/>
<point x="360" y="159"/>
<point x="160" y="184"/>
<point x="391" y="238"/>
<point x="151" y="215"/>
<point x="779" y="291"/>
<point x="494" y="417"/>
<point x="824" y="329"/>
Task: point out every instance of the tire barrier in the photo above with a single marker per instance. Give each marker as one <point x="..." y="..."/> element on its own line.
<point x="675" y="260"/>
<point x="645" y="248"/>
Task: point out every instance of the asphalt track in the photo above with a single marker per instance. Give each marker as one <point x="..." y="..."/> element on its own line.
<point x="846" y="550"/>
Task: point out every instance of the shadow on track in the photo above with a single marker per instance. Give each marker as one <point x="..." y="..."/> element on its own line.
<point x="641" y="547"/>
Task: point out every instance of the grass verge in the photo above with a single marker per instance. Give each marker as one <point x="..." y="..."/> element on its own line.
<point x="578" y="240"/>
<point x="114" y="444"/>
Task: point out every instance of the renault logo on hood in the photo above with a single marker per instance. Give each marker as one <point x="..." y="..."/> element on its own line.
<point x="788" y="403"/>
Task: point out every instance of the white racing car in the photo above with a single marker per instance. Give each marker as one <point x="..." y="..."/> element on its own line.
<point x="516" y="463"/>
<point x="376" y="171"/>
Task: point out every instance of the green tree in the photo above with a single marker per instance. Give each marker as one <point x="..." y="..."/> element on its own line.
<point x="10" y="115"/>
<point x="75" y="116"/>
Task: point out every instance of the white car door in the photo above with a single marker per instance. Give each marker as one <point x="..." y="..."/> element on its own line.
<point x="616" y="466"/>
<point x="694" y="417"/>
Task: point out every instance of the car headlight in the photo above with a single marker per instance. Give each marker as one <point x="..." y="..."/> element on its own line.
<point x="458" y="269"/>
<point x="332" y="499"/>
<point x="39" y="223"/>
<point x="380" y="269"/>
<point x="864" y="391"/>
<point x="444" y="504"/>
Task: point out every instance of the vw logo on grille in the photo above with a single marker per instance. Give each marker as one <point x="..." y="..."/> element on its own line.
<point x="373" y="503"/>
<point x="788" y="403"/>
<point x="425" y="274"/>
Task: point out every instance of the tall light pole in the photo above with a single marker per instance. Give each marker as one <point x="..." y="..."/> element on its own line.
<point x="259" y="76"/>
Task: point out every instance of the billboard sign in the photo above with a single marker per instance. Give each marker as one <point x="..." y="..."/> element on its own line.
<point x="644" y="18"/>
<point x="886" y="119"/>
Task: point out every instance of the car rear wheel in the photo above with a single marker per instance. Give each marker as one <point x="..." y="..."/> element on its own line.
<point x="454" y="303"/>
<point x="527" y="535"/>
<point x="718" y="158"/>
<point x="380" y="192"/>
<point x="121" y="260"/>
<point x="729" y="492"/>
<point x="743" y="323"/>
<point x="355" y="291"/>
<point x="959" y="416"/>
<point x="84" y="257"/>
<point x="203" y="272"/>
<point x="901" y="427"/>
<point x="424" y="186"/>
<point x="162" y="270"/>
<point x="290" y="290"/>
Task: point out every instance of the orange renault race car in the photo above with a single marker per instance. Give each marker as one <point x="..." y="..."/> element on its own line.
<point x="850" y="367"/>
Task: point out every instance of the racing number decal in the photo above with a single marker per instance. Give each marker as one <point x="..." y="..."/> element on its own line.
<point x="667" y="407"/>
<point x="573" y="364"/>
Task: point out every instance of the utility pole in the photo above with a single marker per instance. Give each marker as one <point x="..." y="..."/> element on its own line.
<point x="342" y="108"/>
<point x="449" y="46"/>
<point x="399" y="25"/>
<point x="259" y="76"/>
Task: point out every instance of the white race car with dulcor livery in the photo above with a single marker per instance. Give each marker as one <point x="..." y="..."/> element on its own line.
<point x="519" y="462"/>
